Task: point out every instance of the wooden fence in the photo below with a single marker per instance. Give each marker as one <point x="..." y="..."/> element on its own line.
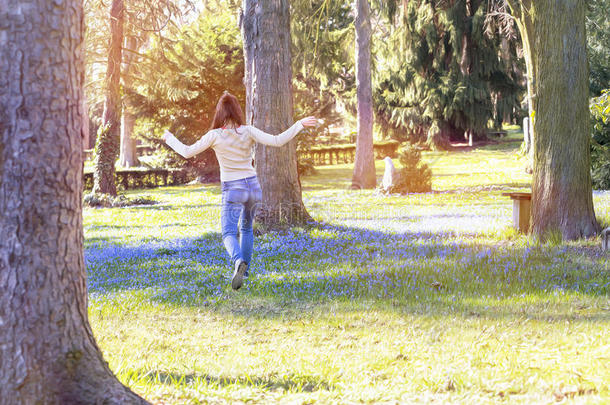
<point x="134" y="179"/>
<point x="141" y="150"/>
<point x="324" y="155"/>
<point x="335" y="154"/>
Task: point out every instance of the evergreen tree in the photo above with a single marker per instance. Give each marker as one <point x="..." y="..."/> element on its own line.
<point x="322" y="34"/>
<point x="449" y="77"/>
<point x="600" y="142"/>
<point x="181" y="80"/>
<point x="598" y="45"/>
<point x="130" y="25"/>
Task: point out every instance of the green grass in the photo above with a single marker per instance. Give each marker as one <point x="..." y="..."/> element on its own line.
<point x="399" y="299"/>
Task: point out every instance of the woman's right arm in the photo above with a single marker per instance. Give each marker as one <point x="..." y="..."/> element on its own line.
<point x="281" y="139"/>
<point x="192" y="150"/>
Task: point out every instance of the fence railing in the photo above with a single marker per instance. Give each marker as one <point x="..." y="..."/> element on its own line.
<point x="320" y="155"/>
<point x="336" y="154"/>
<point x="141" y="150"/>
<point x="134" y="179"/>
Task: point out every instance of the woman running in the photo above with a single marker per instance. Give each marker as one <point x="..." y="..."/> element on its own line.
<point x="232" y="142"/>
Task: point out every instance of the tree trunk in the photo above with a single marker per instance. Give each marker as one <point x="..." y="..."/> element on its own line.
<point x="364" y="167"/>
<point x="561" y="191"/>
<point x="266" y="35"/>
<point x="128" y="156"/>
<point x="47" y="351"/>
<point x="439" y="135"/>
<point x="84" y="113"/>
<point x="107" y="142"/>
<point x="523" y="12"/>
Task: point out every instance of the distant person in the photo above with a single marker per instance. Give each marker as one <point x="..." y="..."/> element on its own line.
<point x="232" y="142"/>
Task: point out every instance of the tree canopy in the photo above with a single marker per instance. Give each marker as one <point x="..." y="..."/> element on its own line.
<point x="447" y="73"/>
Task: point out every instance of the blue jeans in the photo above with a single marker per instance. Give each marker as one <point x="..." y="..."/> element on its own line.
<point x="240" y="199"/>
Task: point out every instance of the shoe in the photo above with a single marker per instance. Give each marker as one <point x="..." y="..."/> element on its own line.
<point x="238" y="275"/>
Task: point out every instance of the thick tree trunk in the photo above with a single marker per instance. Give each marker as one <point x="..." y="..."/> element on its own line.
<point x="364" y="166"/>
<point x="561" y="190"/>
<point x="47" y="351"/>
<point x="266" y="35"/>
<point x="128" y="156"/>
<point x="107" y="142"/>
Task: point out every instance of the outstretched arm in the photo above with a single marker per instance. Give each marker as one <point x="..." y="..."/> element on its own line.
<point x="188" y="151"/>
<point x="283" y="138"/>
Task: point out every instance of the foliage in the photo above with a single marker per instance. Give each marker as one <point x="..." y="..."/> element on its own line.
<point x="185" y="78"/>
<point x="322" y="61"/>
<point x="414" y="176"/>
<point x="600" y="141"/>
<point x="143" y="19"/>
<point x="449" y="76"/>
<point x="598" y="44"/>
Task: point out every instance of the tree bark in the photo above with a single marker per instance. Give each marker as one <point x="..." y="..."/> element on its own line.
<point x="523" y="12"/>
<point x="107" y="142"/>
<point x="47" y="351"/>
<point x="269" y="106"/>
<point x="364" y="175"/>
<point x="561" y="191"/>
<point x="128" y="155"/>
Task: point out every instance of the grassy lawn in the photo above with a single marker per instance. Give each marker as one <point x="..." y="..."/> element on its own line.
<point x="399" y="299"/>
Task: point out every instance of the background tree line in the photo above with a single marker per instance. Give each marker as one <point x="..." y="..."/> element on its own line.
<point x="441" y="71"/>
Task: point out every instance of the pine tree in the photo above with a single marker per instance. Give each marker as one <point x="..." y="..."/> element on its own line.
<point x="450" y="77"/>
<point x="598" y="45"/>
<point x="129" y="26"/>
<point x="322" y="34"/>
<point x="181" y="91"/>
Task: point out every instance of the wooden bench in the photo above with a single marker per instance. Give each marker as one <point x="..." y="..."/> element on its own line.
<point x="498" y="133"/>
<point x="522" y="206"/>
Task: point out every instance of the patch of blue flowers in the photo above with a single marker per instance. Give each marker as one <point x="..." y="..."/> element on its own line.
<point x="329" y="262"/>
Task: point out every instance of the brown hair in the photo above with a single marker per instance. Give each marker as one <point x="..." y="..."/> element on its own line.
<point x="228" y="111"/>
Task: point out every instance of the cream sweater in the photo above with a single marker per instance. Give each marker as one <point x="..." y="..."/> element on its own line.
<point x="233" y="147"/>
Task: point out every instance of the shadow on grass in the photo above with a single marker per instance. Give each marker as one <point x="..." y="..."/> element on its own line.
<point x="290" y="382"/>
<point x="303" y="270"/>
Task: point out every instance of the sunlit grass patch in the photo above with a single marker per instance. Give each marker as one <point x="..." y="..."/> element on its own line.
<point x="398" y="299"/>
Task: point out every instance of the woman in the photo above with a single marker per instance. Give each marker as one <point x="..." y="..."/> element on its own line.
<point x="232" y="142"/>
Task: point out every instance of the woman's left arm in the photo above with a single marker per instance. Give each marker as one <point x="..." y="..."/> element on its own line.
<point x="283" y="138"/>
<point x="189" y="151"/>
